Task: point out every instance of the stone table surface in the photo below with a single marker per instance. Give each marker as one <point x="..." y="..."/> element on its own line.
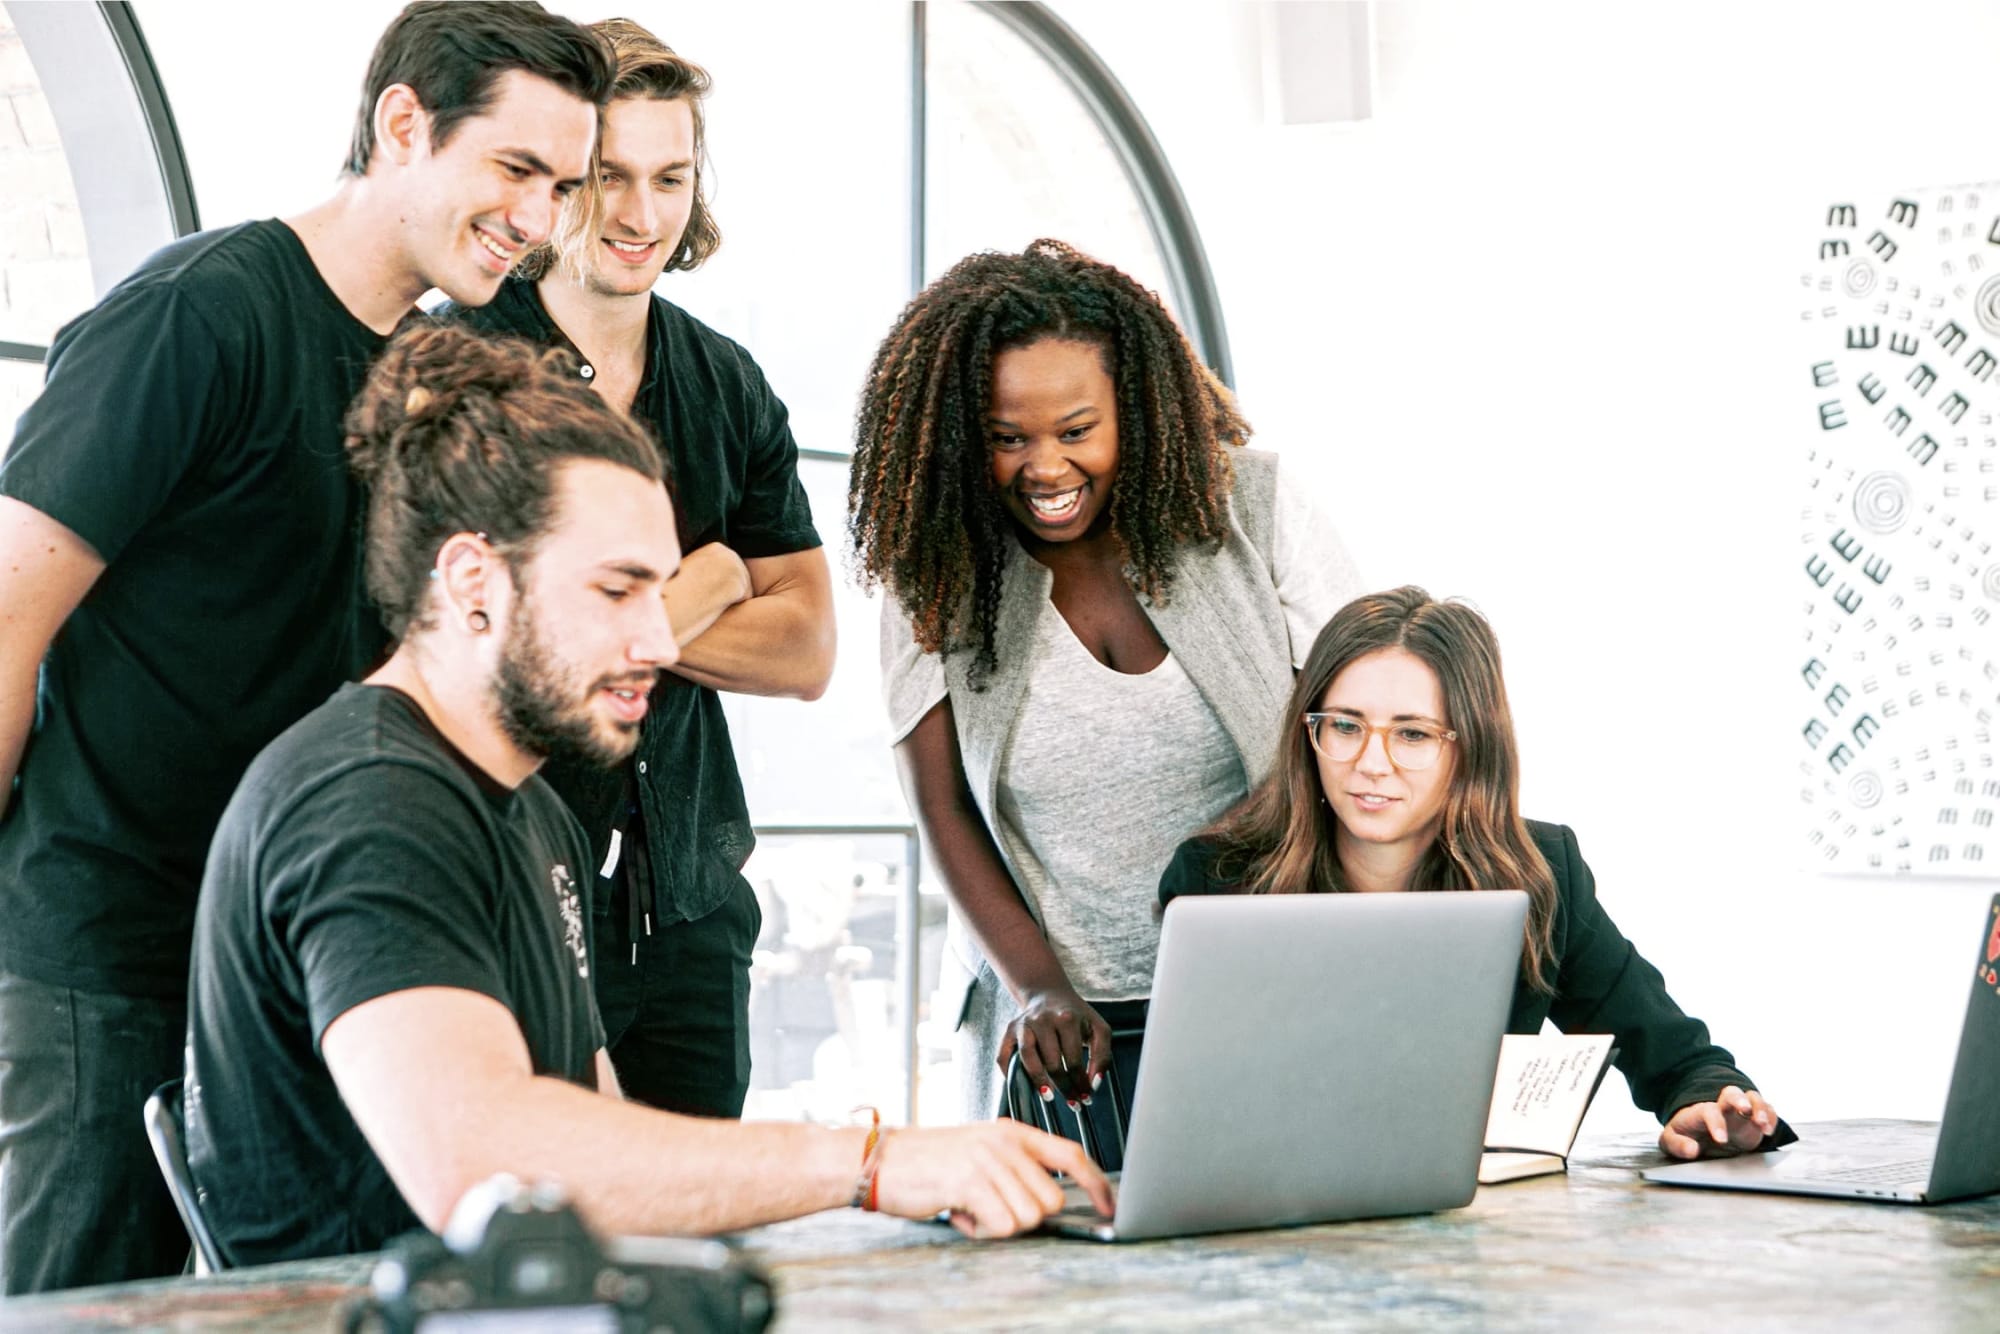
<point x="1595" y="1249"/>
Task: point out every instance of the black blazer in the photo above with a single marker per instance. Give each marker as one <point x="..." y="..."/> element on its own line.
<point x="1602" y="984"/>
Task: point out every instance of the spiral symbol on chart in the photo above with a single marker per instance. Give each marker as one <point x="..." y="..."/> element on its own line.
<point x="1986" y="306"/>
<point x="1859" y="279"/>
<point x="1989" y="583"/>
<point x="1881" y="502"/>
<point x="1865" y="789"/>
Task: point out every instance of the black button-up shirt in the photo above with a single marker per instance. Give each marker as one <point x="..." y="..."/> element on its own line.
<point x="734" y="475"/>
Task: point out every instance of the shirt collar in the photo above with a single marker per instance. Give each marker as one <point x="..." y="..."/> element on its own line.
<point x="525" y="297"/>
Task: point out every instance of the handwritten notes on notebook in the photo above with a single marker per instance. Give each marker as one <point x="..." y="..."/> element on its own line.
<point x="1543" y="1088"/>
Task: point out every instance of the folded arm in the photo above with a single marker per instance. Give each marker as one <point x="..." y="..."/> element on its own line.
<point x="762" y="626"/>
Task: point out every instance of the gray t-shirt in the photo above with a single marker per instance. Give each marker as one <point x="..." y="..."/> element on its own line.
<point x="1089" y="815"/>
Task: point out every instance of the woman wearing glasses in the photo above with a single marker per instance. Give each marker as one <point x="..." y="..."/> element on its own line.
<point x="1094" y="600"/>
<point x="1398" y="772"/>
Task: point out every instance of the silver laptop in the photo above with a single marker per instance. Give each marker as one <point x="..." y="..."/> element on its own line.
<point x="1312" y="1057"/>
<point x="1960" y="1158"/>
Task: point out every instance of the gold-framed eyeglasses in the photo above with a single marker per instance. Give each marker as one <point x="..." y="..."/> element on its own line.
<point x="1410" y="744"/>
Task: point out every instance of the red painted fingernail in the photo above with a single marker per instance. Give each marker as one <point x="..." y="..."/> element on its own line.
<point x="1048" y="1095"/>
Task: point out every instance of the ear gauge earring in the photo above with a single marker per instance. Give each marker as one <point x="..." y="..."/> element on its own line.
<point x="477" y="621"/>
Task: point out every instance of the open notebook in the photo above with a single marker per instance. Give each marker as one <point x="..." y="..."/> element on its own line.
<point x="1543" y="1088"/>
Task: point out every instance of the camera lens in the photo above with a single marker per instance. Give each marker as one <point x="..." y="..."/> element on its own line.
<point x="537" y="1273"/>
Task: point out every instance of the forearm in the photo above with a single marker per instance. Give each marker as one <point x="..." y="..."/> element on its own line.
<point x="962" y="847"/>
<point x="631" y="1169"/>
<point x="1013" y="944"/>
<point x="708" y="583"/>
<point x="977" y="883"/>
<point x="770" y="645"/>
<point x="17" y="716"/>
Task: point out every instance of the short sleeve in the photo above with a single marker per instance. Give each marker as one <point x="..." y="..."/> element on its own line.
<point x="1314" y="574"/>
<point x="912" y="680"/>
<point x="132" y="390"/>
<point x="370" y="882"/>
<point x="774" y="517"/>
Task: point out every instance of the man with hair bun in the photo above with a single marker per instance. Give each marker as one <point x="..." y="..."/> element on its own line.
<point x="752" y="603"/>
<point x="390" y="999"/>
<point x="179" y="583"/>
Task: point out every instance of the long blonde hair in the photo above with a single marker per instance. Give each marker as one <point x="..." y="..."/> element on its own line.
<point x="647" y="67"/>
<point x="1280" y="839"/>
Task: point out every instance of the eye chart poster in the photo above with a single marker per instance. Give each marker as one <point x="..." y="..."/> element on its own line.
<point x="1898" y="670"/>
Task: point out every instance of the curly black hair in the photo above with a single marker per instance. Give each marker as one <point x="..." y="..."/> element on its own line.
<point x="924" y="516"/>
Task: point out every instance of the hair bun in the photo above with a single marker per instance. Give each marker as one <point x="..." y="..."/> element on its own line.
<point x="429" y="378"/>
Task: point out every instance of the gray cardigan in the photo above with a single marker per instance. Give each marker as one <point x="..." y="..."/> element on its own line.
<point x="1223" y="621"/>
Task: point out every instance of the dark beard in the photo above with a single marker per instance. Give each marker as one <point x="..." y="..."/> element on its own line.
<point x="540" y="711"/>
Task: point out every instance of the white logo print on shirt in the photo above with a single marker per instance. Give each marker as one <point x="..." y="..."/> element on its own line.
<point x="572" y="915"/>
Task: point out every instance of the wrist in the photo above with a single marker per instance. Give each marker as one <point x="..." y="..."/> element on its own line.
<point x="1060" y="997"/>
<point x="867" y="1182"/>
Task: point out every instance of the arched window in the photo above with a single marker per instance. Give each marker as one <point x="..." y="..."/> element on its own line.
<point x="1027" y="133"/>
<point x="93" y="169"/>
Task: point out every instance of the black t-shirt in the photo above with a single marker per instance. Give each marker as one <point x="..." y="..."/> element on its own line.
<point x="735" y="480"/>
<point x="190" y="431"/>
<point x="363" y="855"/>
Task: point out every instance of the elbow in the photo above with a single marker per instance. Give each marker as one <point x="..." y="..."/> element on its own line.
<point x="816" y="663"/>
<point x="434" y="1189"/>
<point x="814" y="686"/>
<point x="434" y="1198"/>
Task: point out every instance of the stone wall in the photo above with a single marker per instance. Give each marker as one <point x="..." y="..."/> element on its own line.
<point x="44" y="265"/>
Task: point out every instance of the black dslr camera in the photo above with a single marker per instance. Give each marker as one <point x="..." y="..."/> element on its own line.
<point x="514" y="1258"/>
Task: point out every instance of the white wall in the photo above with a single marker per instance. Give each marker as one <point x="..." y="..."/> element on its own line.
<point x="1534" y="329"/>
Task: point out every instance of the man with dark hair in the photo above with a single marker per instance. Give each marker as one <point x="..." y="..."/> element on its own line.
<point x="179" y="582"/>
<point x="752" y="603"/>
<point x="390" y="1001"/>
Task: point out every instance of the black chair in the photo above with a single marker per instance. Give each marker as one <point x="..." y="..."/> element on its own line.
<point x="165" y="1131"/>
<point x="1099" y="1128"/>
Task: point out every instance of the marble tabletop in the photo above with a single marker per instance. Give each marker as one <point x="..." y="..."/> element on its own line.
<point x="1595" y="1249"/>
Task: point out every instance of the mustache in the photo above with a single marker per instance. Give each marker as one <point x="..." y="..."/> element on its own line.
<point x="627" y="681"/>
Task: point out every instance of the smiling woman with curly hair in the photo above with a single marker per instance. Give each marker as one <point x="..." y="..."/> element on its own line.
<point x="1096" y="597"/>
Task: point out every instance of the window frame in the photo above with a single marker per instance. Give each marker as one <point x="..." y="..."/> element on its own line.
<point x="68" y="44"/>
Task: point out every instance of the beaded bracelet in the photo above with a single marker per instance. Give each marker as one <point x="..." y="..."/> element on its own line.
<point x="871" y="1161"/>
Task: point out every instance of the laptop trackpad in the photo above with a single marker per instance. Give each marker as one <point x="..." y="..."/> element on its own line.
<point x="1079" y="1217"/>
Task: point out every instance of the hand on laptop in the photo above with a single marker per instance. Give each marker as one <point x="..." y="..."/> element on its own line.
<point x="1052" y="1031"/>
<point x="1735" y="1122"/>
<point x="992" y="1176"/>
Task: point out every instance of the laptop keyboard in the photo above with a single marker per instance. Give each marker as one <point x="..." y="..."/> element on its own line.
<point x="1879" y="1174"/>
